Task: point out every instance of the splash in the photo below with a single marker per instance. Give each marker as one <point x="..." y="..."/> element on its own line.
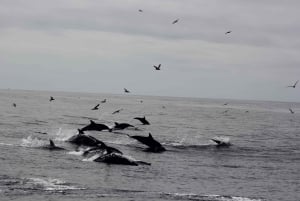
<point x="50" y="184"/>
<point x="32" y="142"/>
<point x="64" y="134"/>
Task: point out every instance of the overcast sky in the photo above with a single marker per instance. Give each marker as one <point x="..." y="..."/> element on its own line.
<point x="106" y="45"/>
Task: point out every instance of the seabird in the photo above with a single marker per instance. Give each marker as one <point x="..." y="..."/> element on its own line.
<point x="157" y="67"/>
<point x="96" y="107"/>
<point x="175" y="21"/>
<point x="117" y="111"/>
<point x="126" y="90"/>
<point x="14" y="104"/>
<point x="228" y="32"/>
<point x="294" y="86"/>
<point x="104" y="101"/>
<point x="51" y="99"/>
<point x="292" y="112"/>
<point x="140" y="10"/>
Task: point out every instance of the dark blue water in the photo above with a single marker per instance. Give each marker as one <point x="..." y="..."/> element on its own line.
<point x="262" y="163"/>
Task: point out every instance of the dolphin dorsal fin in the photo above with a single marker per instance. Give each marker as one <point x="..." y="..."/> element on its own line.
<point x="116" y="123"/>
<point x="80" y="131"/>
<point x="92" y="122"/>
<point x="52" y="143"/>
<point x="150" y="136"/>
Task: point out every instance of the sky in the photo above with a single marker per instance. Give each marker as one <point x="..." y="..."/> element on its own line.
<point x="104" y="46"/>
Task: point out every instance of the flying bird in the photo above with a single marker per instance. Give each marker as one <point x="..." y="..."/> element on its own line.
<point x="51" y="99"/>
<point x="291" y="111"/>
<point x="126" y="90"/>
<point x="96" y="107"/>
<point x="294" y="86"/>
<point x="227" y="32"/>
<point x="117" y="111"/>
<point x="157" y="67"/>
<point x="225" y="104"/>
<point x="175" y="21"/>
<point x="140" y="10"/>
<point x="104" y="101"/>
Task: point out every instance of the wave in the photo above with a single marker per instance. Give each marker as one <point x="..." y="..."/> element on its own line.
<point x="50" y="184"/>
<point x="192" y="196"/>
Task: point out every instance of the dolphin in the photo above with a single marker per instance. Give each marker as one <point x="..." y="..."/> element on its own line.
<point x="154" y="146"/>
<point x="102" y="147"/>
<point x="95" y="127"/>
<point x="115" y="158"/>
<point x="221" y="142"/>
<point x="121" y="126"/>
<point x="83" y="139"/>
<point x="52" y="147"/>
<point x="143" y="120"/>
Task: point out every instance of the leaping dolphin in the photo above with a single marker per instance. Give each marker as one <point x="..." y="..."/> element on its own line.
<point x="83" y="139"/>
<point x="114" y="158"/>
<point x="102" y="146"/>
<point x="95" y="127"/>
<point x="121" y="126"/>
<point x="154" y="146"/>
<point x="143" y="120"/>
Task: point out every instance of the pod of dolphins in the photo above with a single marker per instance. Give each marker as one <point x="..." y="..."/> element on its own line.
<point x="105" y="153"/>
<point x="100" y="152"/>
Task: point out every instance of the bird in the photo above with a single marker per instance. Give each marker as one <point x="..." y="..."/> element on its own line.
<point x="157" y="67"/>
<point x="292" y="112"/>
<point x="51" y="99"/>
<point x="126" y="90"/>
<point x="227" y="32"/>
<point x="175" y="21"/>
<point x="104" y="101"/>
<point x="117" y="111"/>
<point x="294" y="86"/>
<point x="225" y="104"/>
<point x="14" y="105"/>
<point x="96" y="107"/>
<point x="140" y="10"/>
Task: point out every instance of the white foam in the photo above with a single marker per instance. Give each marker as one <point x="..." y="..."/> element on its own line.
<point x="64" y="134"/>
<point x="32" y="142"/>
<point x="50" y="184"/>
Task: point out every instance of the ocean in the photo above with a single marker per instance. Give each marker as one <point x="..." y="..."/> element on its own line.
<point x="262" y="163"/>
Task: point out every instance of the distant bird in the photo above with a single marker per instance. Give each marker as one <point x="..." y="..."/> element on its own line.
<point x="126" y="90"/>
<point x="247" y="111"/>
<point x="292" y="112"/>
<point x="225" y="112"/>
<point x="96" y="107"/>
<point x="51" y="99"/>
<point x="104" y="101"/>
<point x="227" y="32"/>
<point x="117" y="111"/>
<point x="140" y="10"/>
<point x="14" y="105"/>
<point x="141" y="101"/>
<point x="143" y="120"/>
<point x="157" y="67"/>
<point x="175" y="21"/>
<point x="294" y="86"/>
<point x="225" y="104"/>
